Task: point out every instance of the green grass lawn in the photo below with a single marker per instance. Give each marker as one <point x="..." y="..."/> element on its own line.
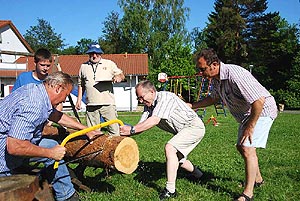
<point x="217" y="157"/>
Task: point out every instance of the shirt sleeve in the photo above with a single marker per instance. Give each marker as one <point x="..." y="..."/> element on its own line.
<point x="250" y="89"/>
<point x="116" y="70"/>
<point x="17" y="84"/>
<point x="144" y="116"/>
<point x="80" y="77"/>
<point x="25" y="122"/>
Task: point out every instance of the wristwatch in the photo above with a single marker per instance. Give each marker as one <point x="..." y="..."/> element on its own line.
<point x="132" y="130"/>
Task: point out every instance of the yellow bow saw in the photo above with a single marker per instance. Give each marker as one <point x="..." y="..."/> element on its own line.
<point x="84" y="131"/>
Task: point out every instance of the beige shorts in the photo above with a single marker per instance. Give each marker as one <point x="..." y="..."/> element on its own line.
<point x="188" y="138"/>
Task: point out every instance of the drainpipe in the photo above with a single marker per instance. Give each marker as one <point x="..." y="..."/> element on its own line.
<point x="130" y="79"/>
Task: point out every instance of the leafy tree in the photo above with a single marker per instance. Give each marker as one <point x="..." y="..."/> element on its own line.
<point x="272" y="49"/>
<point x="43" y="35"/>
<point x="149" y="26"/>
<point x="224" y="31"/>
<point x="80" y="48"/>
<point x="82" y="45"/>
<point x="291" y="95"/>
<point x="135" y="25"/>
<point x="198" y="38"/>
<point x="71" y="50"/>
<point x="111" y="39"/>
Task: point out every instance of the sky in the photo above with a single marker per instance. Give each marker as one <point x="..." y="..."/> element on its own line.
<point x="77" y="19"/>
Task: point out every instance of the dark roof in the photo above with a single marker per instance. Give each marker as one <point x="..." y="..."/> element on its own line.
<point x="131" y="64"/>
<point x="4" y="23"/>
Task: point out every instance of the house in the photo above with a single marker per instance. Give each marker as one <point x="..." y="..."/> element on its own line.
<point x="134" y="66"/>
<point x="12" y="47"/>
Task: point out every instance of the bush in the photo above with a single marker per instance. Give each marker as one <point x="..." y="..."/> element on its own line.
<point x="289" y="99"/>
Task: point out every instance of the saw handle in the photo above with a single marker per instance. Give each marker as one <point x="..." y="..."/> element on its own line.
<point x="84" y="131"/>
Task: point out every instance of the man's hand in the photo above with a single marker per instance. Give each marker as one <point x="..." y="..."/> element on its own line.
<point x="58" y="152"/>
<point x="78" y="105"/>
<point x="125" y="130"/>
<point x="92" y="135"/>
<point x="190" y="105"/>
<point x="248" y="133"/>
<point x="118" y="78"/>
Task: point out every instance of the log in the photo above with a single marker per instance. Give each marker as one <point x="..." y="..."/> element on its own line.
<point x="106" y="151"/>
<point x="23" y="187"/>
<point x="50" y="130"/>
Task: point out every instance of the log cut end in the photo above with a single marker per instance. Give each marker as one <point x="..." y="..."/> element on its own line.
<point x="126" y="156"/>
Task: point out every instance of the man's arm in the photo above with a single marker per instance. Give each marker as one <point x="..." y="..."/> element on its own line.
<point x="25" y="148"/>
<point x="66" y="120"/>
<point x="70" y="122"/>
<point x="256" y="110"/>
<point x="79" y="97"/>
<point x="140" y="127"/>
<point x="204" y="103"/>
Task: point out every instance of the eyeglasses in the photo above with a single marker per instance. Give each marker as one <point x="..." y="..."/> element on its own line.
<point x="141" y="98"/>
<point x="48" y="65"/>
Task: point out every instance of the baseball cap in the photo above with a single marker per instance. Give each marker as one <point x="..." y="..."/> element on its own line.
<point x="95" y="48"/>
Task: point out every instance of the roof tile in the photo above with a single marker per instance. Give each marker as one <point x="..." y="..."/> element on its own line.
<point x="131" y="64"/>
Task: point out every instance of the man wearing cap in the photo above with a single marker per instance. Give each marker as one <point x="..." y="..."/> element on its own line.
<point x="96" y="77"/>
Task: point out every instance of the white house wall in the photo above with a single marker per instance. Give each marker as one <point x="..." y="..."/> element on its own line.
<point x="10" y="42"/>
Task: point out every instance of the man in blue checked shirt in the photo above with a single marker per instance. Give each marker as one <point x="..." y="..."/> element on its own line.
<point x="23" y="115"/>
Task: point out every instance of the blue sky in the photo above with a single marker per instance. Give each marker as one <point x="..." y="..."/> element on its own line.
<point x="76" y="19"/>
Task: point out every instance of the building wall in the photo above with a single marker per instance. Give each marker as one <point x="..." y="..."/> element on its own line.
<point x="124" y="93"/>
<point x="10" y="42"/>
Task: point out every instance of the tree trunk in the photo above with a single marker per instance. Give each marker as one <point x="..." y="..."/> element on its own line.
<point x="106" y="151"/>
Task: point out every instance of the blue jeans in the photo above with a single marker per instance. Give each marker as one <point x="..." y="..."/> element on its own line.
<point x="59" y="178"/>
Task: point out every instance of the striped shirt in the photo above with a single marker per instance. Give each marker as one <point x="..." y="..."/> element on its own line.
<point x="23" y="114"/>
<point x="175" y="114"/>
<point x="238" y="89"/>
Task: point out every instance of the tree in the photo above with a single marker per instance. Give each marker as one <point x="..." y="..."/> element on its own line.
<point x="224" y="31"/>
<point x="135" y="25"/>
<point x="274" y="34"/>
<point x="111" y="39"/>
<point x="83" y="44"/>
<point x="149" y="26"/>
<point x="43" y="36"/>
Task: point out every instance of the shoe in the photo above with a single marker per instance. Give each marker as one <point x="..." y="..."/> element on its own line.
<point x="165" y="194"/>
<point x="195" y="176"/>
<point x="246" y="197"/>
<point x="74" y="197"/>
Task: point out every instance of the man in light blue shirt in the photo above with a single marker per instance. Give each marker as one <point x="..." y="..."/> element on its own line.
<point x="23" y="115"/>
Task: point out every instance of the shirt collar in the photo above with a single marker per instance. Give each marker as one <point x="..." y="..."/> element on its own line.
<point x="223" y="71"/>
<point x="46" y="98"/>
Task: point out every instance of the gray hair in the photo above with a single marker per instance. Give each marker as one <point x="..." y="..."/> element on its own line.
<point x="59" y="78"/>
<point x="146" y="84"/>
